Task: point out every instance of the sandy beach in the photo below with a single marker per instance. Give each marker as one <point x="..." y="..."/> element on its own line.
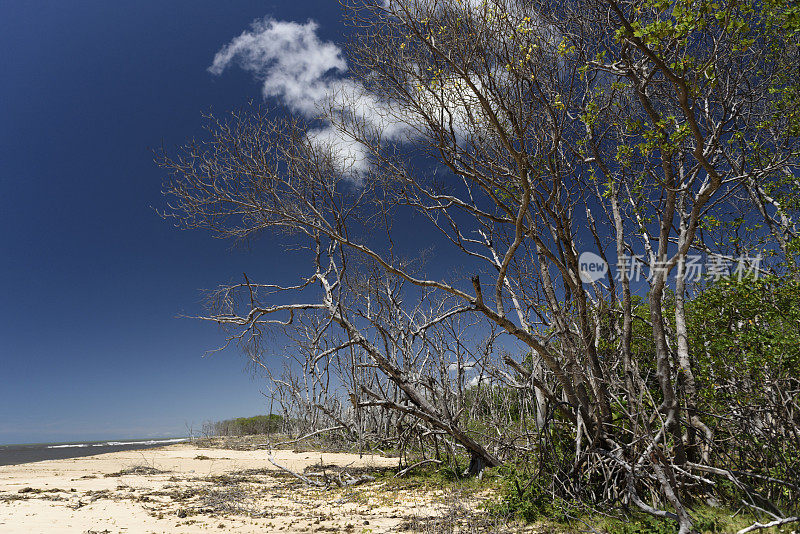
<point x="186" y="488"/>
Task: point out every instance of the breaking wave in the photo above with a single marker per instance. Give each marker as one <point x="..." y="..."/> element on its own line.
<point x="117" y="443"/>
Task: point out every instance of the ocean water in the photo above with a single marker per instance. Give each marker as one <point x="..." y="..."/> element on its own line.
<point x="36" y="452"/>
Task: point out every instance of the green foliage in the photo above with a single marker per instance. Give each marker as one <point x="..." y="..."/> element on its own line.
<point x="528" y="499"/>
<point x="710" y="521"/>
<point x="440" y="478"/>
<point x="641" y="524"/>
<point x="247" y="426"/>
<point x="676" y="31"/>
<point x="706" y="521"/>
<point x="485" y="401"/>
<point x="748" y="327"/>
<point x="746" y="341"/>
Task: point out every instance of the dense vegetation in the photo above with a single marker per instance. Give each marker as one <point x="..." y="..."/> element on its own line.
<point x="245" y="426"/>
<point x="747" y="336"/>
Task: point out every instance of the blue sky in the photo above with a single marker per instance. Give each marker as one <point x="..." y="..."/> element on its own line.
<point x="90" y="346"/>
<point x="90" y="343"/>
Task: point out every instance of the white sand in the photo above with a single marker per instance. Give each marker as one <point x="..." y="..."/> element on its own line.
<point x="75" y="496"/>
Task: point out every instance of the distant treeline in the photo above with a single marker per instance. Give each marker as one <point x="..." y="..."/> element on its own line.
<point x="244" y="426"/>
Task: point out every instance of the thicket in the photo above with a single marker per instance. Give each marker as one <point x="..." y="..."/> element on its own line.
<point x="245" y="426"/>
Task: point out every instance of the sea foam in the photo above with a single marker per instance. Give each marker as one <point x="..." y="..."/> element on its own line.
<point x="116" y="443"/>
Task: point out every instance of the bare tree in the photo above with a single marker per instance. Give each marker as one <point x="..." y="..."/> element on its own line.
<point x="532" y="132"/>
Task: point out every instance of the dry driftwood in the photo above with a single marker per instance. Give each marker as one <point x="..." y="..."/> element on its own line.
<point x="343" y="479"/>
<point x="777" y="522"/>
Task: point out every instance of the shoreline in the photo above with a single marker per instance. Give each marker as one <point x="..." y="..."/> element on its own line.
<point x="18" y="454"/>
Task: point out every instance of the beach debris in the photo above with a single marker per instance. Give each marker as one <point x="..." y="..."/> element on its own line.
<point x="137" y="470"/>
<point x="40" y="490"/>
<point x="94" y="495"/>
<point x="340" y="479"/>
<point x="296" y="475"/>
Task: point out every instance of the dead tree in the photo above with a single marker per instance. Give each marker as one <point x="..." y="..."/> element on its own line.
<point x="538" y="118"/>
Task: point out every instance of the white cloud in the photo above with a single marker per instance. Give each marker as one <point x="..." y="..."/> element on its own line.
<point x="350" y="156"/>
<point x="453" y="367"/>
<point x="306" y="74"/>
<point x="289" y="58"/>
<point x="476" y="381"/>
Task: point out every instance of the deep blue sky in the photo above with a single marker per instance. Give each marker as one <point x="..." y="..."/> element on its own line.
<point x="90" y="346"/>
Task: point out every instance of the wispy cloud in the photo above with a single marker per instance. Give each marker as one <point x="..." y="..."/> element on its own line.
<point x="293" y="64"/>
<point x="308" y="76"/>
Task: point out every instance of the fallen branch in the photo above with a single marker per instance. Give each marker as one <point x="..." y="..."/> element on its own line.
<point x="297" y="475"/>
<point x="405" y="471"/>
<point x="724" y="472"/>
<point x="348" y="479"/>
<point x="751" y="493"/>
<point x="351" y="481"/>
<point x="777" y="522"/>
